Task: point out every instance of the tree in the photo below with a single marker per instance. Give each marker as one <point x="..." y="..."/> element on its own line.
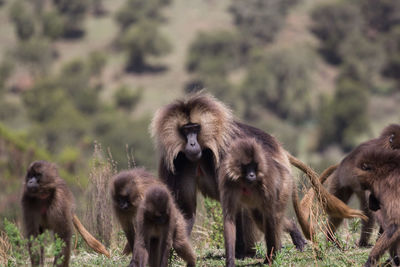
<point x="73" y="13"/>
<point x="141" y="40"/>
<point x="214" y="53"/>
<point x="332" y="24"/>
<point x="280" y="82"/>
<point x="260" y="20"/>
<point x="134" y="11"/>
<point x="23" y="20"/>
<point x="345" y="117"/>
<point x="381" y="15"/>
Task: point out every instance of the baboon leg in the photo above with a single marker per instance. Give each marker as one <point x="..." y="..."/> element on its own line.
<point x="367" y="226"/>
<point x="272" y="238"/>
<point x="32" y="230"/>
<point x="65" y="235"/>
<point x="344" y="195"/>
<point x="394" y="254"/>
<point x="245" y="235"/>
<point x="183" y="248"/>
<point x="385" y="241"/>
<point x="290" y="227"/>
<point x="230" y="238"/>
<point x="140" y="255"/>
<point x="164" y="251"/>
<point x="184" y="188"/>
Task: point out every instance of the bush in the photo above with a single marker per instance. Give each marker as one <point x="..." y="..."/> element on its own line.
<point x="19" y="253"/>
<point x="363" y="58"/>
<point x="344" y="118"/>
<point x="97" y="61"/>
<point x="126" y="98"/>
<point x="214" y="53"/>
<point x="332" y="24"/>
<point x="258" y="20"/>
<point x="141" y="40"/>
<point x="280" y="82"/>
<point x="134" y="11"/>
<point x="23" y="20"/>
<point x="53" y="25"/>
<point x="392" y="45"/>
<point x="36" y="53"/>
<point x="73" y="13"/>
<point x="381" y="15"/>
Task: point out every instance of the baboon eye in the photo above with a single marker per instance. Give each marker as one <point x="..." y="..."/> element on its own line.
<point x="365" y="167"/>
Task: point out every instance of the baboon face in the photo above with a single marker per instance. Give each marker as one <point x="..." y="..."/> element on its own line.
<point x="40" y="178"/>
<point x="249" y="172"/>
<point x="125" y="195"/>
<point x="375" y="165"/>
<point x="392" y="133"/>
<point x="190" y="133"/>
<point x="158" y="206"/>
<point x="246" y="163"/>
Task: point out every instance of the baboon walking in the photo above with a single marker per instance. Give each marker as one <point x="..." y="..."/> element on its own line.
<point x="160" y="227"/>
<point x="47" y="203"/>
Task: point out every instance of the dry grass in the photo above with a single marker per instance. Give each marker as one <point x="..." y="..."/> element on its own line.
<point x="98" y="216"/>
<point x="5" y="248"/>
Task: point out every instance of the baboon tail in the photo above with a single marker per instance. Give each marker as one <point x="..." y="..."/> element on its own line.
<point x="327" y="172"/>
<point x="331" y="204"/>
<point x="306" y="226"/>
<point x="89" y="239"/>
<point x="306" y="202"/>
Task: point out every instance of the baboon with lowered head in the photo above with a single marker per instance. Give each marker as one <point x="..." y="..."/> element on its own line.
<point x="378" y="170"/>
<point x="342" y="183"/>
<point x="160" y="227"/>
<point x="127" y="190"/>
<point x="192" y="136"/>
<point x="258" y="179"/>
<point x="47" y="203"/>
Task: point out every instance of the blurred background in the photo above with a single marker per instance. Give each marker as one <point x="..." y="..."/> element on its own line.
<point x="80" y="79"/>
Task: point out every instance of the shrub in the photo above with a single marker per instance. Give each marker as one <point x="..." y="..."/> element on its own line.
<point x="126" y="98"/>
<point x="141" y="40"/>
<point x="280" y="82"/>
<point x="332" y="24"/>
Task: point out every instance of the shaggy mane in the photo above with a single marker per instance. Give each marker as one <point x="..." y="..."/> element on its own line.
<point x="214" y="118"/>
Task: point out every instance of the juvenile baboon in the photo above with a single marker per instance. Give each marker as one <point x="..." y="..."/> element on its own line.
<point x="192" y="136"/>
<point x="127" y="190"/>
<point x="48" y="204"/>
<point x="378" y="170"/>
<point x="160" y="226"/>
<point x="341" y="182"/>
<point x="259" y="180"/>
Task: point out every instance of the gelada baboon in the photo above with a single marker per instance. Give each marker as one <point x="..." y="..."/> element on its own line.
<point x="192" y="136"/>
<point x="341" y="182"/>
<point x="160" y="227"/>
<point x="48" y="204"/>
<point x="378" y="170"/>
<point x="259" y="179"/>
<point x="127" y="190"/>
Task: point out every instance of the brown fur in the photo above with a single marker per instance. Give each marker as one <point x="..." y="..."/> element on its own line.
<point x="51" y="207"/>
<point x="160" y="226"/>
<point x="378" y="170"/>
<point x="266" y="199"/>
<point x="342" y="183"/>
<point x="130" y="184"/>
<point x="218" y="129"/>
